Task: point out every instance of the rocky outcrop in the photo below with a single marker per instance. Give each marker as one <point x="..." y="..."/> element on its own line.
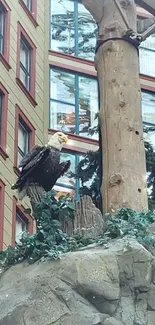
<point x="112" y="285"/>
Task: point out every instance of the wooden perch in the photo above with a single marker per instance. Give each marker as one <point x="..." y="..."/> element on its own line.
<point x="95" y="7"/>
<point x="88" y="222"/>
<point x="117" y="65"/>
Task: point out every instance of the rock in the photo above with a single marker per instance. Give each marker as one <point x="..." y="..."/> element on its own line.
<point x="76" y="319"/>
<point x="112" y="321"/>
<point x="127" y="309"/>
<point x="153" y="271"/>
<point x="151" y="318"/>
<point x="94" y="286"/>
<point x="151" y="298"/>
<point x="140" y="312"/>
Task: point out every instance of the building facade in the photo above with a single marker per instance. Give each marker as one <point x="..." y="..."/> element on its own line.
<point x="23" y="102"/>
<point x="48" y="82"/>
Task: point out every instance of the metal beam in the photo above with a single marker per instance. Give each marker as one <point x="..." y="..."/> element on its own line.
<point x="148" y="5"/>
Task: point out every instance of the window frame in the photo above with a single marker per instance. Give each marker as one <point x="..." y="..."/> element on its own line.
<point x="30" y="94"/>
<point x="31" y="14"/>
<point x="22" y="125"/>
<point x="2" y="199"/>
<point x="27" y="69"/>
<point x="75" y="188"/>
<point x="4" y="93"/>
<point x="76" y="35"/>
<point x="76" y="75"/>
<point x="4" y="58"/>
<point x="28" y="217"/>
<point x="148" y="91"/>
<point x="19" y="115"/>
<point x="75" y="145"/>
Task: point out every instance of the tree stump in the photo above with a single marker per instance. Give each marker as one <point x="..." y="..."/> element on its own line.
<point x="88" y="222"/>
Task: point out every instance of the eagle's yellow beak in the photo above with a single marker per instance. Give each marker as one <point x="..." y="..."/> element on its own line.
<point x="64" y="138"/>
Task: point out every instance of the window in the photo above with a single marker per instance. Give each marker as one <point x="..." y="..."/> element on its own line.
<point x="21" y="225"/>
<point x="73" y="30"/>
<point x="73" y="102"/>
<point x="3" y="120"/>
<point x="23" y="140"/>
<point x="20" y="222"/>
<point x="68" y="184"/>
<point x="147" y="56"/>
<point x="2" y="29"/>
<point x="2" y="191"/>
<point x="26" y="61"/>
<point x="24" y="136"/>
<point x="28" y="4"/>
<point x="4" y="33"/>
<point x="30" y="7"/>
<point x="148" y="107"/>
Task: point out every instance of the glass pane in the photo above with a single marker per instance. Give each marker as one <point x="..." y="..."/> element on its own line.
<point x="2" y="26"/>
<point x="28" y="4"/>
<point x="21" y="226"/>
<point x="62" y="29"/>
<point x="62" y="12"/>
<point x="20" y="157"/>
<point x="25" y="78"/>
<point x="88" y="105"/>
<point x="25" y="55"/>
<point x="62" y="117"/>
<point x="62" y="86"/>
<point x="148" y="107"/>
<point x="147" y="62"/>
<point x="149" y="43"/>
<point x="87" y="31"/>
<point x="62" y="39"/>
<point x="150" y="137"/>
<point x="21" y="137"/>
<point x="67" y="184"/>
<point x="65" y="179"/>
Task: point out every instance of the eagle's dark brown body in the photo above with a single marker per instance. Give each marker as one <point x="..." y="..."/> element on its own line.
<point x="41" y="166"/>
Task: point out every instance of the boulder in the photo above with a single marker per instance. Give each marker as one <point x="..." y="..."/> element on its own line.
<point x="98" y="285"/>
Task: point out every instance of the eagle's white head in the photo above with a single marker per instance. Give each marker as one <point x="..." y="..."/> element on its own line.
<point x="57" y="140"/>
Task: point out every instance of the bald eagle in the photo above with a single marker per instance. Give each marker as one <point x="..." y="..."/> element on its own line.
<point x="41" y="167"/>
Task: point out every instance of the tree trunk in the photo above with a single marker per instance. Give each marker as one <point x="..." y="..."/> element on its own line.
<point x="117" y="64"/>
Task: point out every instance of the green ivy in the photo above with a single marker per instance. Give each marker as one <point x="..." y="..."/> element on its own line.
<point x="50" y="242"/>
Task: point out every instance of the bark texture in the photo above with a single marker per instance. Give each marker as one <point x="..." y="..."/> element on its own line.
<point x="117" y="64"/>
<point x="88" y="221"/>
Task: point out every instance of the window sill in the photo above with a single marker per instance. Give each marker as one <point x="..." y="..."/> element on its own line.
<point x="26" y="92"/>
<point x="5" y="62"/>
<point x="29" y="14"/>
<point x="16" y="170"/>
<point x="3" y="153"/>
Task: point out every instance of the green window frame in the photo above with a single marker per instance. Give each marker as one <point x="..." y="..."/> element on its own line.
<point x="77" y="27"/>
<point x="76" y="97"/>
<point x="75" y="161"/>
